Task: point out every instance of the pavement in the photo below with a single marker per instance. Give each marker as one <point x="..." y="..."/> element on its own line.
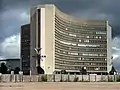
<point x="61" y="86"/>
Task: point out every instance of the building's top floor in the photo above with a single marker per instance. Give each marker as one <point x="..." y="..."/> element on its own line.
<point x="70" y="17"/>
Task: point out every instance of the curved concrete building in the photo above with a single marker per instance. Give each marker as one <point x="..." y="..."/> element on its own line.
<point x="69" y="43"/>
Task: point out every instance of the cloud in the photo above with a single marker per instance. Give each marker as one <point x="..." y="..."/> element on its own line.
<point x="2" y="58"/>
<point x="11" y="21"/>
<point x="116" y="52"/>
<point x="25" y="16"/>
<point x="14" y="15"/>
<point x="10" y="47"/>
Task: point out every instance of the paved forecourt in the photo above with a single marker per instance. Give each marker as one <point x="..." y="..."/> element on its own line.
<point x="61" y="86"/>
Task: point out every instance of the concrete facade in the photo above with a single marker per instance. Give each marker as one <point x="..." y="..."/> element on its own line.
<point x="46" y="37"/>
<point x="69" y="43"/>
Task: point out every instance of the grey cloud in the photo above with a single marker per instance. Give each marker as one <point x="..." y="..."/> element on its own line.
<point x="65" y="5"/>
<point x="10" y="47"/>
<point x="95" y="9"/>
<point x="101" y="9"/>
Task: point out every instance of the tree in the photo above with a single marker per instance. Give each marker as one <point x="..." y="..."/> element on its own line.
<point x="0" y="69"/>
<point x="9" y="72"/>
<point x="112" y="71"/>
<point x="83" y="71"/>
<point x="63" y="71"/>
<point x="16" y="70"/>
<point x="3" y="68"/>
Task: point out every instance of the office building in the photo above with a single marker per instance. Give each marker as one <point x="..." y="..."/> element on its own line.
<point x="25" y="49"/>
<point x="69" y="43"/>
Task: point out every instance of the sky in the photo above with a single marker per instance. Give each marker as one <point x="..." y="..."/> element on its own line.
<point x="14" y="13"/>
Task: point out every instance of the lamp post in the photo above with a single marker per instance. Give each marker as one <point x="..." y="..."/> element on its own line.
<point x="38" y="57"/>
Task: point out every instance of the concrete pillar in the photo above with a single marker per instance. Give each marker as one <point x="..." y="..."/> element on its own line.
<point x="89" y="77"/>
<point x="31" y="75"/>
<point x="12" y="76"/>
<point x="101" y="77"/>
<point x="0" y="77"/>
<point x="53" y="77"/>
<point x="68" y="77"/>
<point x="21" y="76"/>
<point x="95" y="77"/>
<point x="82" y="78"/>
<point x="61" y="79"/>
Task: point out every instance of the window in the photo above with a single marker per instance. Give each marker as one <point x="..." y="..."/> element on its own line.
<point x="63" y="52"/>
<point x="79" y="40"/>
<point x="82" y="45"/>
<point x="96" y="37"/>
<point x="73" y="44"/>
<point x="65" y="42"/>
<point x="86" y="63"/>
<point x="97" y="68"/>
<point x="93" y="63"/>
<point x="88" y="36"/>
<point x="86" y="40"/>
<point x="105" y="59"/>
<point x="72" y="35"/>
<point x="86" y="54"/>
<point x="80" y="58"/>
<point x="69" y="53"/>
<point x="74" y="53"/>
<point x="100" y="37"/>
<point x="100" y="32"/>
<point x="101" y="55"/>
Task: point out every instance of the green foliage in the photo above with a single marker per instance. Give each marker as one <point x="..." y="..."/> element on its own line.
<point x="83" y="71"/>
<point x="9" y="72"/>
<point x="63" y="71"/>
<point x="16" y="71"/>
<point x="112" y="71"/>
<point x="44" y="78"/>
<point x="118" y="79"/>
<point x="3" y="68"/>
<point x="110" y="79"/>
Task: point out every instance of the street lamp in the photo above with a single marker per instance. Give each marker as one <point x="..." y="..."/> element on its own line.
<point x="38" y="57"/>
